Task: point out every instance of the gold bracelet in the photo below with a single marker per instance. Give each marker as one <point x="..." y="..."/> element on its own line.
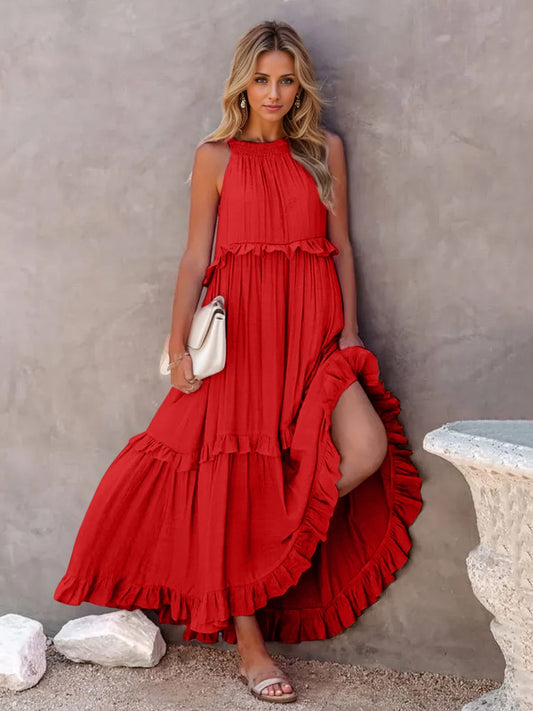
<point x="178" y="359"/>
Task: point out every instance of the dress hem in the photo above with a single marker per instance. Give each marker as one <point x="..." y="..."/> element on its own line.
<point x="216" y="608"/>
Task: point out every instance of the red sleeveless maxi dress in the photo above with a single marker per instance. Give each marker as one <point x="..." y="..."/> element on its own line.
<point x="227" y="504"/>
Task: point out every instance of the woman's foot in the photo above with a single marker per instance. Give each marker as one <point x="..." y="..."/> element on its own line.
<point x="266" y="669"/>
<point x="256" y="663"/>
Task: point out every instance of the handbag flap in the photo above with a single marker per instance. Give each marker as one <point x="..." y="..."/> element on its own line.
<point x="202" y="321"/>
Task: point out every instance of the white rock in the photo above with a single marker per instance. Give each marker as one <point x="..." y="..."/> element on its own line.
<point x="126" y="638"/>
<point x="22" y="652"/>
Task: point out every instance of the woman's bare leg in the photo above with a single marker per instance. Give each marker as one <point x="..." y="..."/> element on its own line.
<point x="361" y="439"/>
<point x="254" y="654"/>
<point x="359" y="435"/>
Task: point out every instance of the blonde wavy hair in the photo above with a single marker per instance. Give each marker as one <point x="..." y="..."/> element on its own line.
<point x="307" y="140"/>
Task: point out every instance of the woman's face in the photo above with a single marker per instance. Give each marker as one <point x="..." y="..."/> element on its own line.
<point x="274" y="83"/>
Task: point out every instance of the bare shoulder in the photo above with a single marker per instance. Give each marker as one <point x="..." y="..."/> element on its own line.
<point x="333" y="139"/>
<point x="336" y="157"/>
<point x="211" y="153"/>
<point x="210" y="160"/>
<point x="212" y="147"/>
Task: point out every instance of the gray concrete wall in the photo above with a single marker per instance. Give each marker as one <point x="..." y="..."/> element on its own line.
<point x="102" y="105"/>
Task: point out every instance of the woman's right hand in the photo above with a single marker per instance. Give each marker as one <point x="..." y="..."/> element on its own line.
<point x="181" y="376"/>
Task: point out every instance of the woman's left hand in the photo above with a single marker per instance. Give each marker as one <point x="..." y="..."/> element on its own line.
<point x="346" y="340"/>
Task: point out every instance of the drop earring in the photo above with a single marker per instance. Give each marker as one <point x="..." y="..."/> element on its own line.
<point x="297" y="102"/>
<point x="243" y="101"/>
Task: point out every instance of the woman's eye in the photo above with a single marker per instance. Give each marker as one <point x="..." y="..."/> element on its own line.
<point x="288" y="80"/>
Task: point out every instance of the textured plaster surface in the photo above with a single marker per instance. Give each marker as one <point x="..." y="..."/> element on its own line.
<point x="102" y="106"/>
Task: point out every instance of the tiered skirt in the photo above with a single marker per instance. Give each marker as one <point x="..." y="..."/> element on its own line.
<point x="227" y="503"/>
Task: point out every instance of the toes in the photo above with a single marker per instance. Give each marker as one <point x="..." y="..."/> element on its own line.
<point x="276" y="690"/>
<point x="272" y="690"/>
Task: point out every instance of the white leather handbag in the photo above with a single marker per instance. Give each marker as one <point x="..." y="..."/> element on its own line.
<point x="206" y="341"/>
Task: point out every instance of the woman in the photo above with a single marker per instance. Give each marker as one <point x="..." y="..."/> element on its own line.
<point x="271" y="500"/>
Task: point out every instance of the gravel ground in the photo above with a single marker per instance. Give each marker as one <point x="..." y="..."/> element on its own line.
<point x="201" y="678"/>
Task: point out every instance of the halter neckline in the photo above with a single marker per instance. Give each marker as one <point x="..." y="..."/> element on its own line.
<point x="278" y="145"/>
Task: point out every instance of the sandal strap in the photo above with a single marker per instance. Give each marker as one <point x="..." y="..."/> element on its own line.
<point x="266" y="682"/>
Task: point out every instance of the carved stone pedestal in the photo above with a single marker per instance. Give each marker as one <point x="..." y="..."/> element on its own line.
<point x="496" y="459"/>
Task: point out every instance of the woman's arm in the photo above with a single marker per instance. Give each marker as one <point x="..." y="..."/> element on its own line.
<point x="202" y="218"/>
<point x="338" y="233"/>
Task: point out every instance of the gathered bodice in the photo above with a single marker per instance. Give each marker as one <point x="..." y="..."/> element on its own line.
<point x="268" y="201"/>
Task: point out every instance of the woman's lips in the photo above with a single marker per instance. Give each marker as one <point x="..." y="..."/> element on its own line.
<point x="272" y="108"/>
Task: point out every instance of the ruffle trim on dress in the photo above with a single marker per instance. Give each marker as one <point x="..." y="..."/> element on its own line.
<point x="216" y="607"/>
<point x="319" y="246"/>
<point x="222" y="444"/>
<point x="365" y="589"/>
<point x="207" y="616"/>
<point x="405" y="501"/>
<point x="341" y="369"/>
